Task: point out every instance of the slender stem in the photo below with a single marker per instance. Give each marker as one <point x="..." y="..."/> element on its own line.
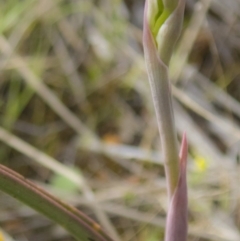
<point x="161" y="93"/>
<point x="160" y="31"/>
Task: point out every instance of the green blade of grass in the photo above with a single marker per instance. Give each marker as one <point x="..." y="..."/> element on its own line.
<point x="74" y="221"/>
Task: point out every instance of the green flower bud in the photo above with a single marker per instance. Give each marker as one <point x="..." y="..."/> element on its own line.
<point x="165" y="22"/>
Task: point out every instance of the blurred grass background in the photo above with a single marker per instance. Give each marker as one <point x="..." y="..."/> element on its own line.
<point x="77" y="116"/>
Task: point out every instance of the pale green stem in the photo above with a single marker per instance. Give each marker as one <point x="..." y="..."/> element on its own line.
<point x="162" y="100"/>
<point x="159" y="38"/>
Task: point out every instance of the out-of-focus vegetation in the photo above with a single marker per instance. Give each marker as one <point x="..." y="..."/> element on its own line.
<point x="73" y="85"/>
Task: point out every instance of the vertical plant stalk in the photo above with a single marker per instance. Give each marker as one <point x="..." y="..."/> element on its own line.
<point x="161" y="28"/>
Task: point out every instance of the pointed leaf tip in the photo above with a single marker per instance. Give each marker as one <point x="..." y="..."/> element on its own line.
<point x="183" y="150"/>
<point x="177" y="224"/>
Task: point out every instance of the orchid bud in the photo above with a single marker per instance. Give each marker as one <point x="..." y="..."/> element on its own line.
<point x="164" y="19"/>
